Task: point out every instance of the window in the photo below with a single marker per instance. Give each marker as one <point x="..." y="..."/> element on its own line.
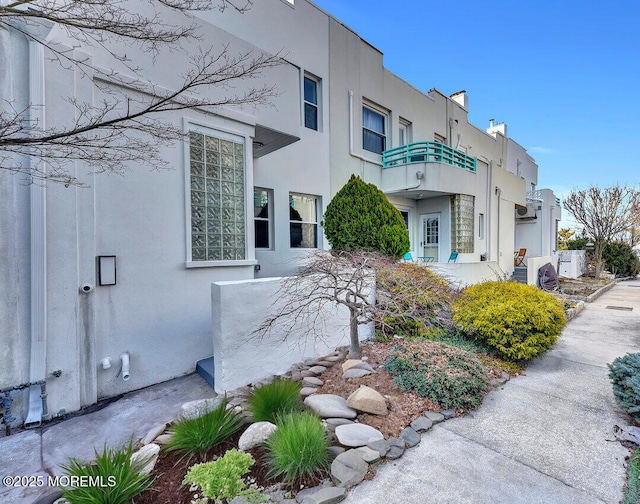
<point x="303" y="221"/>
<point x="404" y="132"/>
<point x="216" y="167"/>
<point x="262" y="215"/>
<point x="311" y="88"/>
<point x="374" y="137"/>
<point x="481" y="226"/>
<point x="462" y="220"/>
<point x="439" y="139"/>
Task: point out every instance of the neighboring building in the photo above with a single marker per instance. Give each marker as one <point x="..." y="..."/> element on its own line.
<point x="127" y="265"/>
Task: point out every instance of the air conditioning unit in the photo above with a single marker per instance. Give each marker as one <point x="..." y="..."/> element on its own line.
<point x="528" y="212"/>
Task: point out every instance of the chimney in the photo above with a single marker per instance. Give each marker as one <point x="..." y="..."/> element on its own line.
<point x="461" y="98"/>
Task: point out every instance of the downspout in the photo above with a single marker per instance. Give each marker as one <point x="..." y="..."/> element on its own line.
<point x="38" y="235"/>
<point x="489" y="206"/>
<point x="499" y="194"/>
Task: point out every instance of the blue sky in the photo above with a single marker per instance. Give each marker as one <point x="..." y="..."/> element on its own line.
<point x="564" y="75"/>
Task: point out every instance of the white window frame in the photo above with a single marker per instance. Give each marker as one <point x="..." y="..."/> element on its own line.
<point x="385" y="116"/>
<point x="405" y="129"/>
<point x="318" y="106"/>
<point x="268" y="219"/>
<point x="244" y="134"/>
<point x="316" y="223"/>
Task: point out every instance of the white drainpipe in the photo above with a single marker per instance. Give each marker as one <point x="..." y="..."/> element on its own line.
<point x="37" y="368"/>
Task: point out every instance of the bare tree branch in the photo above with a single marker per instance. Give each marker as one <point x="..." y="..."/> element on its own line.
<point x="604" y="213"/>
<point x="127" y="125"/>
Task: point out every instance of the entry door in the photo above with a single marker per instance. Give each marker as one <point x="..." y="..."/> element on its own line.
<point x="430" y="236"/>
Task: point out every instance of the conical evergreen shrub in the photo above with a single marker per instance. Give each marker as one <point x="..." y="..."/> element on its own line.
<point x="360" y="218"/>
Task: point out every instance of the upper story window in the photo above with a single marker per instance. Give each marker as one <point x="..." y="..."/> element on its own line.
<point x="217" y="187"/>
<point x="303" y="220"/>
<point x="263" y="215"/>
<point x="374" y="130"/>
<point x="311" y="103"/>
<point x="405" y="132"/>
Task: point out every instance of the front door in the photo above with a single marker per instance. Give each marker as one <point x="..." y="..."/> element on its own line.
<point x="430" y="237"/>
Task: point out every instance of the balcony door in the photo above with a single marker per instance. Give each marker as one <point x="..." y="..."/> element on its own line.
<point x="430" y="236"/>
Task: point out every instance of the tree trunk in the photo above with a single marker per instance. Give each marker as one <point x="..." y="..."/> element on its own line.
<point x="354" y="349"/>
<point x="598" y="259"/>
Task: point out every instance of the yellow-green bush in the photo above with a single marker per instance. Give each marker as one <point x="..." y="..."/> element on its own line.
<point x="412" y="301"/>
<point x="519" y="321"/>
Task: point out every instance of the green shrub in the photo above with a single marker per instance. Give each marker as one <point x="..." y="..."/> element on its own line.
<point x="519" y="321"/>
<point x="360" y="218"/>
<point x="624" y="373"/>
<point x="298" y="447"/>
<point x="221" y="480"/>
<point x="412" y="299"/>
<point x="267" y="402"/>
<point x="191" y="436"/>
<point x="120" y="478"/>
<point x="620" y="259"/>
<point x="444" y="374"/>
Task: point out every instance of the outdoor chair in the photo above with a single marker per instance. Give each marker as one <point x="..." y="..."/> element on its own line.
<point x="518" y="257"/>
<point x="453" y="257"/>
<point x="408" y="257"/>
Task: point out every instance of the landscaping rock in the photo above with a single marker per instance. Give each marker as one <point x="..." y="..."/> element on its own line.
<point x="317" y="370"/>
<point x="163" y="439"/>
<point x="368" y="400"/>
<point x="334" y="451"/>
<point x="307" y="391"/>
<point x="306" y="373"/>
<point x="379" y="445"/>
<point x="348" y="469"/>
<point x="330" y="406"/>
<point x="300" y="496"/>
<point x="368" y="455"/>
<point x="62" y="500"/>
<point x="448" y="413"/>
<point x="194" y="409"/>
<point x="312" y="381"/>
<point x="255" y="435"/>
<point x="153" y="434"/>
<point x="396" y="448"/>
<point x="296" y="375"/>
<point x="148" y="452"/>
<point x="364" y="365"/>
<point x="411" y="437"/>
<point x="421" y="424"/>
<point x="324" y="363"/>
<point x="326" y="496"/>
<point x="434" y="417"/>
<point x="357" y="434"/>
<point x="333" y="358"/>
<point x="349" y="363"/>
<point x="338" y="421"/>
<point x="355" y="373"/>
<point x="54" y="495"/>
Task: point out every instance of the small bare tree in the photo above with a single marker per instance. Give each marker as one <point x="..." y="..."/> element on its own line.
<point x="604" y="213"/>
<point x="349" y="279"/>
<point x="127" y="125"/>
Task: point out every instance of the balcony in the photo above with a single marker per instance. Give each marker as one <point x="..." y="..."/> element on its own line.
<point x="427" y="152"/>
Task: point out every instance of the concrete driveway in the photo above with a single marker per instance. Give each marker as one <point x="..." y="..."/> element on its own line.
<point x="544" y="437"/>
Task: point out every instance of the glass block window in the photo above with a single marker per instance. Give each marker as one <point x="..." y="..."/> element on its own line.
<point x="262" y="215"/>
<point x="462" y="221"/>
<point x="374" y="137"/>
<point x="303" y="221"/>
<point x="217" y="198"/>
<point x="311" y="103"/>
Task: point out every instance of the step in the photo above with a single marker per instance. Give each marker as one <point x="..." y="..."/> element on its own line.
<point x="204" y="368"/>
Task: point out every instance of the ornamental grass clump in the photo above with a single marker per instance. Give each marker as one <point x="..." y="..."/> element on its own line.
<point x="221" y="480"/>
<point x="520" y="322"/>
<point x="194" y="436"/>
<point x="444" y="374"/>
<point x="298" y="449"/>
<point x="112" y="479"/>
<point x="624" y="373"/>
<point x="267" y="402"/>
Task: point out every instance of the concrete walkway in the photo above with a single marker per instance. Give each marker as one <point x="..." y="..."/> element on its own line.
<point x="38" y="453"/>
<point x="546" y="437"/>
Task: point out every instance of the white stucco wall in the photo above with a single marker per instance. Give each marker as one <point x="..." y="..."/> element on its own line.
<point x="240" y="357"/>
<point x="533" y="265"/>
<point x="461" y="275"/>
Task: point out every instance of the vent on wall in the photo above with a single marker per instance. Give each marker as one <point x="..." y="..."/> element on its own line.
<point x="528" y="212"/>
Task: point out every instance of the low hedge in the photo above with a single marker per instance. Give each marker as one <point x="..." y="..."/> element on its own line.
<point x="518" y="321"/>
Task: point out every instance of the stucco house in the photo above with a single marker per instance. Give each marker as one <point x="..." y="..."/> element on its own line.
<point x="123" y="269"/>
